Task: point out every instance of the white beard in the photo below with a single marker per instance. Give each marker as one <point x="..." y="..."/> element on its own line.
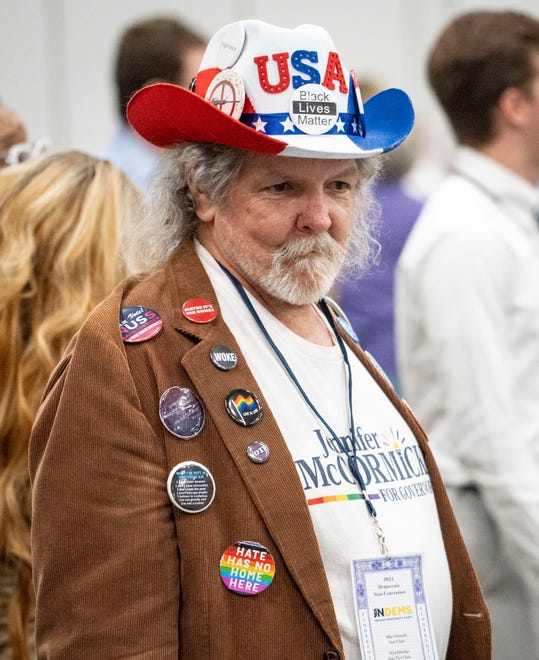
<point x="302" y="271"/>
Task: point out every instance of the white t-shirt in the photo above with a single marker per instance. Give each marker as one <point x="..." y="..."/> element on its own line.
<point x="389" y="458"/>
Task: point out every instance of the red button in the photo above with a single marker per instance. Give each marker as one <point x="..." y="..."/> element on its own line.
<point x="199" y="310"/>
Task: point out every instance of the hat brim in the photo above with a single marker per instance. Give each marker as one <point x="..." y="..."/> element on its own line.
<point x="165" y="115"/>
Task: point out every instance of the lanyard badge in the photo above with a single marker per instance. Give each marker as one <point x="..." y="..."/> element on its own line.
<point x="393" y="618"/>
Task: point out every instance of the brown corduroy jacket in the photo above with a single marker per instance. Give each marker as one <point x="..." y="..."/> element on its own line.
<point x="120" y="572"/>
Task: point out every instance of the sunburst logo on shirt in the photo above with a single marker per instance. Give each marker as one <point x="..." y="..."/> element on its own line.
<point x="392" y="438"/>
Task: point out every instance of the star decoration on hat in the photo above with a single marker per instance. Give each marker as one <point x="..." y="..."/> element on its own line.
<point x="259" y="125"/>
<point x="354" y="126"/>
<point x="288" y="124"/>
<point x="340" y="125"/>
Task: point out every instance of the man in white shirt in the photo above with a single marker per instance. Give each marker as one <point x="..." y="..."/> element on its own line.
<point x="467" y="309"/>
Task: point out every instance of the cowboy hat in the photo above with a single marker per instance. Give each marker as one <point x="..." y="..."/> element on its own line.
<point x="277" y="91"/>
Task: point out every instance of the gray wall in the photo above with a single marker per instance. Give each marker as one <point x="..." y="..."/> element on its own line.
<point x="56" y="56"/>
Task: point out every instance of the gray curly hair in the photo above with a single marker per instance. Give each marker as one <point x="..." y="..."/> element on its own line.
<point x="168" y="215"/>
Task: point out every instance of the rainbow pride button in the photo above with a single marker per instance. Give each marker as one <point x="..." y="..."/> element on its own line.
<point x="244" y="407"/>
<point x="247" y="568"/>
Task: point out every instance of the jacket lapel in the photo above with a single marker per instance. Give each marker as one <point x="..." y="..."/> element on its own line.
<point x="275" y="486"/>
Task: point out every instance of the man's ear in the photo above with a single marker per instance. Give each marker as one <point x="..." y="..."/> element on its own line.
<point x="204" y="209"/>
<point x="513" y="105"/>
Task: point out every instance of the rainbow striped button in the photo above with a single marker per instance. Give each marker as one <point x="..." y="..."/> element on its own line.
<point x="247" y="568"/>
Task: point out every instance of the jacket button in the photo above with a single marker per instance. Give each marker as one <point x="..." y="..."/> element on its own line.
<point x="331" y="655"/>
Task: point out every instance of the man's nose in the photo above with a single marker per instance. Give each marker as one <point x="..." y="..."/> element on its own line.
<point x="313" y="213"/>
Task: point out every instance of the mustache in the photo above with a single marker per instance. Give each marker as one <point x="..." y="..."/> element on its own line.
<point x="323" y="245"/>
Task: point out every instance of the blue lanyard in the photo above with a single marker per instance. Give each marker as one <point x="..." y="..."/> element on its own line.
<point x="350" y="456"/>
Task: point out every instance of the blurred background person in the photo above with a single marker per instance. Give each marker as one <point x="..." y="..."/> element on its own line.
<point x="159" y="49"/>
<point x="61" y="222"/>
<point x="468" y="311"/>
<point x="367" y="297"/>
<point x="12" y="132"/>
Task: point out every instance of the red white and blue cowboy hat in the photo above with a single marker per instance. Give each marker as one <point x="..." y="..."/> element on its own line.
<point x="276" y="91"/>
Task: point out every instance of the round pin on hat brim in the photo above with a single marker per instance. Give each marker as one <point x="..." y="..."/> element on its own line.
<point x="165" y="115"/>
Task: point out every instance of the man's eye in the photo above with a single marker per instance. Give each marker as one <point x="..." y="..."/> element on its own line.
<point x="341" y="185"/>
<point x="279" y="187"/>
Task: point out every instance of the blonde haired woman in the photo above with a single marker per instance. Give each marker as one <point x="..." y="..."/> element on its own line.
<point x="61" y="221"/>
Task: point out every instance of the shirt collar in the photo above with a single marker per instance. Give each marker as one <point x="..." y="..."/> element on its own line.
<point x="510" y="189"/>
<point x="499" y="180"/>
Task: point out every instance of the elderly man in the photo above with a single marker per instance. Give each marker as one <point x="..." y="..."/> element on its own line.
<point x="219" y="471"/>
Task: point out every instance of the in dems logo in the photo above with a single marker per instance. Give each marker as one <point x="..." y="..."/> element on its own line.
<point x="398" y="611"/>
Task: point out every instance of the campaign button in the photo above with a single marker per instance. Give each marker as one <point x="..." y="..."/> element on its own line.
<point x="243" y="407"/>
<point x="258" y="452"/>
<point x="232" y="42"/>
<point x="223" y="357"/>
<point x="191" y="487"/>
<point x="199" y="310"/>
<point x="313" y="109"/>
<point x="247" y="568"/>
<point x="227" y="92"/>
<point x="139" y="324"/>
<point x="347" y="328"/>
<point x="181" y="412"/>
